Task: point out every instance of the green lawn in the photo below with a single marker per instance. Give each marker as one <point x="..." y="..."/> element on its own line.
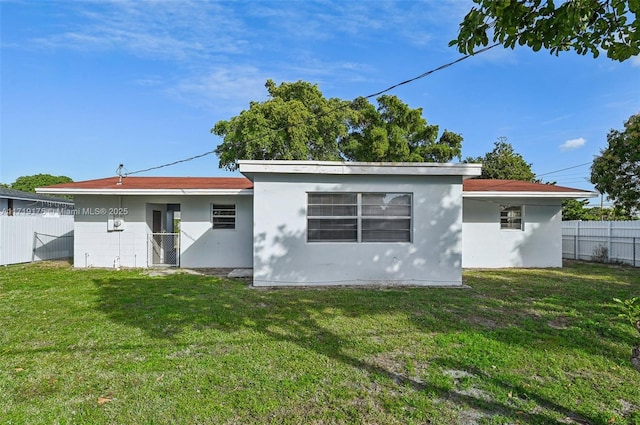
<point x="119" y="347"/>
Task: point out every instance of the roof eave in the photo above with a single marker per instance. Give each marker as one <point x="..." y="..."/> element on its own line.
<point x="524" y="194"/>
<point x="82" y="191"/>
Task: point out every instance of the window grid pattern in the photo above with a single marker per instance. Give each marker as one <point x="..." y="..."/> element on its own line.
<point x="224" y="216"/>
<point x="359" y="217"/>
<point x="511" y="217"/>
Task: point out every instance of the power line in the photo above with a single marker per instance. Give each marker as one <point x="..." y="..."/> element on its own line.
<point x="171" y="163"/>
<point x="563" y="169"/>
<point x="388" y="89"/>
<point x="431" y="71"/>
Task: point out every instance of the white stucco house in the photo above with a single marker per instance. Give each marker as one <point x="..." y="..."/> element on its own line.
<point x="322" y="223"/>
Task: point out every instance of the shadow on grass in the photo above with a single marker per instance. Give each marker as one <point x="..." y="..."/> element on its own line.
<point x="496" y="308"/>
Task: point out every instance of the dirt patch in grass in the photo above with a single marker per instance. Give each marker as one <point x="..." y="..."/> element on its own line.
<point x="560" y="323"/>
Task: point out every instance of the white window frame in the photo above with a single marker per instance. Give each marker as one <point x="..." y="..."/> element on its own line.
<point x="359" y="217"/>
<point x="510" y="220"/>
<point x="223" y="207"/>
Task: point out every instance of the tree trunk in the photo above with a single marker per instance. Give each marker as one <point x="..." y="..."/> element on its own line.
<point x="635" y="358"/>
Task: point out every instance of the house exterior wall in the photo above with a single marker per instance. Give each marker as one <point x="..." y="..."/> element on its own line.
<point x="200" y="245"/>
<point x="485" y="245"/>
<point x="282" y="256"/>
<point x="203" y="246"/>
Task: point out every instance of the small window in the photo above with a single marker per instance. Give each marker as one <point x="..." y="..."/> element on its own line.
<point x="511" y="217"/>
<point x="224" y="216"/>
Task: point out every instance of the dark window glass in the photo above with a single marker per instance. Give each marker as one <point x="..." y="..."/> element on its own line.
<point x="224" y="216"/>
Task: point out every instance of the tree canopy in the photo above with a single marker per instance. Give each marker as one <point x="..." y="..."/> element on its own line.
<point x="575" y="209"/>
<point x="393" y="132"/>
<point x="297" y="122"/>
<point x="504" y="163"/>
<point x="616" y="171"/>
<point x="29" y="183"/>
<point x="586" y="26"/>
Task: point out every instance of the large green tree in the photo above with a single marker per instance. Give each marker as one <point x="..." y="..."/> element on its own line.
<point x="503" y="162"/>
<point x="296" y="122"/>
<point x="29" y="183"/>
<point x="587" y="26"/>
<point x="616" y="171"/>
<point x="393" y="132"/>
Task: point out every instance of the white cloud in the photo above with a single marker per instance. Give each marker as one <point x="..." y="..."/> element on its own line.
<point x="573" y="144"/>
<point x="223" y="88"/>
<point x="635" y="61"/>
<point x="163" y="30"/>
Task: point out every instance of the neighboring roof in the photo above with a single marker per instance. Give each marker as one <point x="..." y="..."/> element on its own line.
<point x="251" y="167"/>
<point x="488" y="188"/>
<point x="29" y="196"/>
<point x="155" y="186"/>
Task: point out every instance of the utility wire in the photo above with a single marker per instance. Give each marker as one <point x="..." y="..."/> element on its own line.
<point x="484" y="49"/>
<point x="270" y="130"/>
<point x="563" y="169"/>
<point x="171" y="163"/>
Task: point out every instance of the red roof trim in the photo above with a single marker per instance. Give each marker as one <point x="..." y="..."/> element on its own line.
<point x="160" y="183"/>
<point x="494" y="185"/>
<point x="241" y="183"/>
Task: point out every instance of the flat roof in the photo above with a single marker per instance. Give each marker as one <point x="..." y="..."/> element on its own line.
<point x="251" y="167"/>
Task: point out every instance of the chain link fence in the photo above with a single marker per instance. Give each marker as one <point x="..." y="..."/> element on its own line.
<point x="164" y="249"/>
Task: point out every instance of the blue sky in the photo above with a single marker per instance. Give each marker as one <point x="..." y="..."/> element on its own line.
<point x="88" y="85"/>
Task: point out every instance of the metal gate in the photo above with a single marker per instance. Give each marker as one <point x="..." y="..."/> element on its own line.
<point x="164" y="249"/>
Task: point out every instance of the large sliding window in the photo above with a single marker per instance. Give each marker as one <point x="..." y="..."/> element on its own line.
<point x="359" y="217"/>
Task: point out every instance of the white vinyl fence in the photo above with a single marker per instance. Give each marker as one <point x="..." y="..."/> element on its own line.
<point x="603" y="241"/>
<point x="27" y="238"/>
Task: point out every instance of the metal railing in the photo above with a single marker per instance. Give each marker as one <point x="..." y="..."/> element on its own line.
<point x="164" y="249"/>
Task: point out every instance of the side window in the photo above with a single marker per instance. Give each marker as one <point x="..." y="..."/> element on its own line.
<point x="511" y="217"/>
<point x="224" y="216"/>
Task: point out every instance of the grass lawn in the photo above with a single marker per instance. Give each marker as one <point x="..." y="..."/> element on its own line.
<point x="119" y="347"/>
